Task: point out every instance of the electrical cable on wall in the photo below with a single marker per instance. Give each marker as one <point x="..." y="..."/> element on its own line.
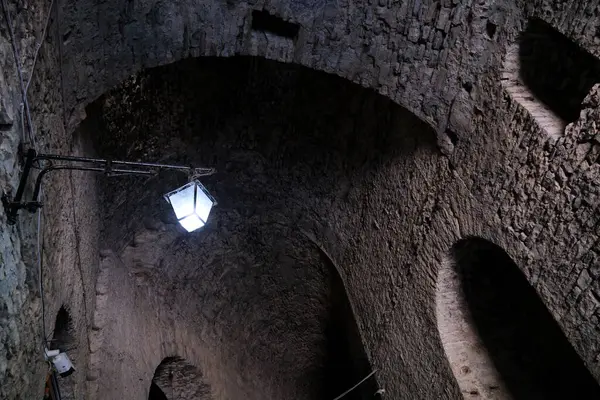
<point x="25" y="113"/>
<point x="19" y="71"/>
<point x="39" y="46"/>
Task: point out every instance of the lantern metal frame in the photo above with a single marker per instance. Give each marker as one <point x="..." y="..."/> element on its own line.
<point x="58" y="162"/>
<point x="197" y="186"/>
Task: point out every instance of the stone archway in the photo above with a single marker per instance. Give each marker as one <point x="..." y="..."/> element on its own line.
<point x="176" y="379"/>
<point x="292" y="147"/>
<point x="390" y="56"/>
<point x="501" y="341"/>
<point x="115" y="36"/>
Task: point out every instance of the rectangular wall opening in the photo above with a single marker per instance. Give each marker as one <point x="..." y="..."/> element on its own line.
<point x="549" y="75"/>
<point x="264" y="22"/>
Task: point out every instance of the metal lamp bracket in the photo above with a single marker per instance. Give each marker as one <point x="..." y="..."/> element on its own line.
<point x="108" y="167"/>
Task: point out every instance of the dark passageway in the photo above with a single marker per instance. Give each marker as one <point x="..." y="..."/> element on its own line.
<point x="557" y="71"/>
<point x="64" y="340"/>
<point x="526" y="345"/>
<point x="291" y="146"/>
<point x="156" y="393"/>
<point x="176" y="379"/>
<point x="347" y="363"/>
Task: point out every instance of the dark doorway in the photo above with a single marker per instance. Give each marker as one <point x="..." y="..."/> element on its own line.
<point x="347" y="363"/>
<point x="526" y="345"/>
<point x="556" y="70"/>
<point x="175" y="378"/>
<point x="62" y="338"/>
<point x="156" y="393"/>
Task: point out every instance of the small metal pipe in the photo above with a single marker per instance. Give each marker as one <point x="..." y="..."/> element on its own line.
<point x="55" y="387"/>
<point x="38" y="181"/>
<point x="28" y="163"/>
<point x="68" y="158"/>
<point x="102" y="165"/>
<point x="114" y="162"/>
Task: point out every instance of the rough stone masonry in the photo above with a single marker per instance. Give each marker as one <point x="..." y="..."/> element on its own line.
<point x="357" y="145"/>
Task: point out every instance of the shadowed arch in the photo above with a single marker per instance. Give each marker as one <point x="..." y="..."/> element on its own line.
<point x="348" y="362"/>
<point x="176" y="379"/>
<point x="289" y="144"/>
<point x="243" y="113"/>
<point x="556" y="70"/>
<point x="500" y="339"/>
<point x="63" y="331"/>
<point x="156" y="33"/>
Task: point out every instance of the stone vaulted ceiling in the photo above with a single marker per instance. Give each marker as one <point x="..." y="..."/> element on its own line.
<point x="385" y="172"/>
<point x="285" y="155"/>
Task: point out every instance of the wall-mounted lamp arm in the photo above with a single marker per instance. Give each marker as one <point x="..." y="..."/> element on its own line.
<point x="43" y="172"/>
<point x="108" y="167"/>
<point x="11" y="209"/>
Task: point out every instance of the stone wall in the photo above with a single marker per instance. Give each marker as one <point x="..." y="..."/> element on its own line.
<point x="538" y="189"/>
<point x="144" y="316"/>
<point x="130" y="316"/>
<point x="578" y="20"/>
<point x="69" y="230"/>
<point x="18" y="304"/>
<point x="176" y="378"/>
<point x="417" y="53"/>
<point x="501" y="177"/>
<point x="293" y="164"/>
<point x="503" y="346"/>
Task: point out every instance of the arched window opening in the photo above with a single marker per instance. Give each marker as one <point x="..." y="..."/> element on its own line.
<point x="556" y="70"/>
<point x="63" y="333"/>
<point x="549" y="75"/>
<point x="176" y="379"/>
<point x="500" y="339"/>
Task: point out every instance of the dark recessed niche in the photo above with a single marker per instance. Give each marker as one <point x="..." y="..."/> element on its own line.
<point x="490" y="29"/>
<point x="156" y="393"/>
<point x="347" y="361"/>
<point x="529" y="350"/>
<point x="175" y="378"/>
<point x="62" y="338"/>
<point x="264" y="22"/>
<point x="452" y="136"/>
<point x="555" y="69"/>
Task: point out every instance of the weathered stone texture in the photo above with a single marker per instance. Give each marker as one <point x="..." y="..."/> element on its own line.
<point x="275" y="190"/>
<point x="143" y="315"/>
<point x="577" y="19"/>
<point x="69" y="227"/>
<point x="506" y="173"/>
<point x="544" y="199"/>
<point x="411" y="51"/>
<point x="177" y="378"/>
